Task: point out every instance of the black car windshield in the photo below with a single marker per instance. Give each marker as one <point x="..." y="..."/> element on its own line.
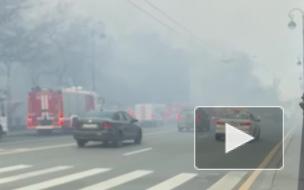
<point x="242" y="116"/>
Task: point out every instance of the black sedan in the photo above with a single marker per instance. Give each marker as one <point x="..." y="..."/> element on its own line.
<point x="107" y="127"/>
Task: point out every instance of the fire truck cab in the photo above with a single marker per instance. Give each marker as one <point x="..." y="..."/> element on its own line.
<point x="50" y="110"/>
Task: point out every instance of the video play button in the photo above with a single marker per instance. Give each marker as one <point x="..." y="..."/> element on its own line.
<point x="235" y="138"/>
<point x="220" y="136"/>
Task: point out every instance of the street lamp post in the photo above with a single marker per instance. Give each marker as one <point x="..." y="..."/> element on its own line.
<point x="93" y="67"/>
<point x="292" y="24"/>
<point x="96" y="34"/>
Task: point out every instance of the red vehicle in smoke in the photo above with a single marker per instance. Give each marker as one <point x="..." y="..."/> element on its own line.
<point x="50" y="110"/>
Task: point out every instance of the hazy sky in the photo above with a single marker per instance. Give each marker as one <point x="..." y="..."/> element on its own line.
<point x="257" y="27"/>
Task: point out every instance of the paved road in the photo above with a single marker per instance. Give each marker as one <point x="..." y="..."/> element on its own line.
<point x="163" y="161"/>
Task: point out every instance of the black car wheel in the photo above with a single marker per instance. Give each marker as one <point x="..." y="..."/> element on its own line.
<point x="138" y="138"/>
<point x="118" y="140"/>
<point x="105" y="143"/>
<point x="1" y="132"/>
<point x="219" y="137"/>
<point x="258" y="134"/>
<point x="81" y="143"/>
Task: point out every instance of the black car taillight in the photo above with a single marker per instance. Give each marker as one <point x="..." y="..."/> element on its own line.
<point x="106" y="125"/>
<point x="246" y="124"/>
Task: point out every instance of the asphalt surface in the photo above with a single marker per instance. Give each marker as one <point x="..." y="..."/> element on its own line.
<point x="164" y="160"/>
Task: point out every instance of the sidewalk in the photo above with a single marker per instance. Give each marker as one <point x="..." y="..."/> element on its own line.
<point x="286" y="178"/>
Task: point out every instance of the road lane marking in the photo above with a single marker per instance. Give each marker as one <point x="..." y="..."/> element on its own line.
<point x="33" y="174"/>
<point x="41" y="139"/>
<point x="64" y="179"/>
<point x="51" y="139"/>
<point x="114" y="182"/>
<point x="254" y="175"/>
<point x="13" y="151"/>
<point x="229" y="181"/>
<point x="174" y="181"/>
<point x="23" y="150"/>
<point x="137" y="151"/>
<point x="14" y="168"/>
<point x="158" y="133"/>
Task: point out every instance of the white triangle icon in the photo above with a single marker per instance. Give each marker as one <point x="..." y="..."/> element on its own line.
<point x="235" y="138"/>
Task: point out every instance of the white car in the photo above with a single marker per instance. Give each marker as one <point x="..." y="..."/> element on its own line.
<point x="244" y="121"/>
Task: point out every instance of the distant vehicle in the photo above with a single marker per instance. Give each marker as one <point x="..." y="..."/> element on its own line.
<point x="150" y="115"/>
<point x="203" y="120"/>
<point x="106" y="127"/>
<point x="50" y="110"/>
<point x="170" y="113"/>
<point x="185" y="120"/>
<point x="243" y="121"/>
<point x="3" y="118"/>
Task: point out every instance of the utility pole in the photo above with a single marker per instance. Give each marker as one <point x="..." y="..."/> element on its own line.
<point x="93" y="61"/>
<point x="292" y="24"/>
<point x="96" y="34"/>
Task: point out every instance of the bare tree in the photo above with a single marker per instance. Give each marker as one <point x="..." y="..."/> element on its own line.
<point x="11" y="31"/>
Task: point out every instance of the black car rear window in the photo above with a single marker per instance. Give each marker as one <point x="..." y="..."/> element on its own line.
<point x="100" y="114"/>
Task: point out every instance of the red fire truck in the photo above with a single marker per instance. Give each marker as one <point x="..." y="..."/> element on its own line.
<point x="149" y="115"/>
<point x="50" y="110"/>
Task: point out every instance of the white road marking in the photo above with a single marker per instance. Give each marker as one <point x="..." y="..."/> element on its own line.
<point x="14" y="168"/>
<point x="51" y="139"/>
<point x="13" y="151"/>
<point x="174" y="181"/>
<point x="137" y="151"/>
<point x="114" y="182"/>
<point x="229" y="181"/>
<point x="158" y="133"/>
<point x="33" y="174"/>
<point x="42" y="139"/>
<point x="64" y="179"/>
<point x="22" y="150"/>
